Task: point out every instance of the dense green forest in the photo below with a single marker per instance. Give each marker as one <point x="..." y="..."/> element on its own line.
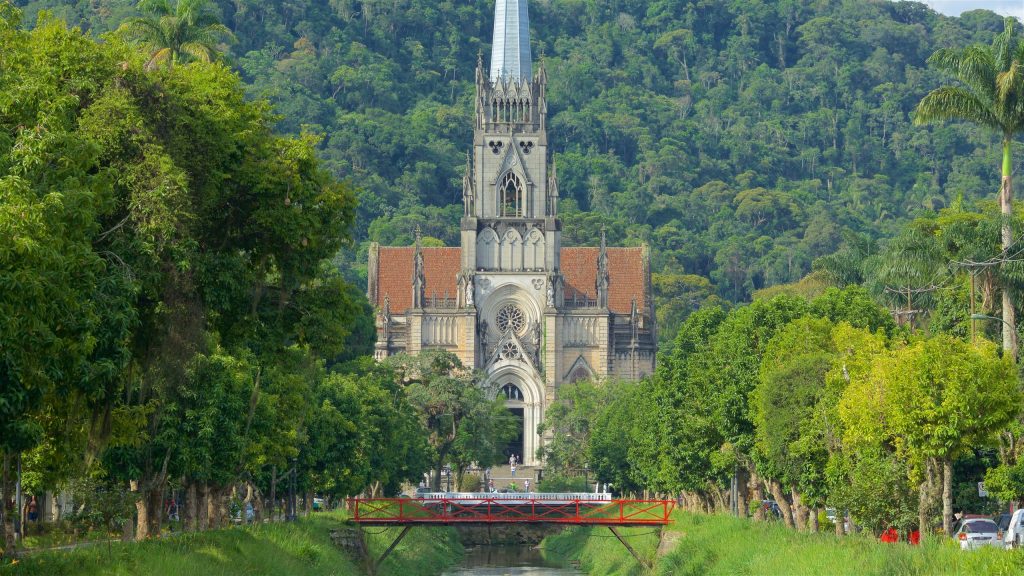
<point x="740" y="139"/>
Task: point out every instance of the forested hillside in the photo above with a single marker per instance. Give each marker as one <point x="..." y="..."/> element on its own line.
<point x="740" y="139"/>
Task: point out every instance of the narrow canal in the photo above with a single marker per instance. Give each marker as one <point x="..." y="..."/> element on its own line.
<point x="507" y="561"/>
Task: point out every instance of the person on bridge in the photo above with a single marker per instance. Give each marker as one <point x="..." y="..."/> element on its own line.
<point x="526" y="485"/>
<point x="512" y="464"/>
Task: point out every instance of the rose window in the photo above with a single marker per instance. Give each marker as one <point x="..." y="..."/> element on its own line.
<point x="511" y="317"/>
<point x="509" y="351"/>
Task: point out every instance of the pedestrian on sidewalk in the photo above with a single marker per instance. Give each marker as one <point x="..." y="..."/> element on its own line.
<point x="512" y="464"/>
<point x="526" y="484"/>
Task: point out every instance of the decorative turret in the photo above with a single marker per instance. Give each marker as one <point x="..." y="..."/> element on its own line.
<point x="553" y="191"/>
<point x="468" y="190"/>
<point x="419" y="279"/>
<point x="602" y="273"/>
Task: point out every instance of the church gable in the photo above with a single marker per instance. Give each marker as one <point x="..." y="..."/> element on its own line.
<point x="513" y="162"/>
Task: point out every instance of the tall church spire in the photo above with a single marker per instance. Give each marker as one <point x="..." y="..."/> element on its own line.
<point x="510" y="50"/>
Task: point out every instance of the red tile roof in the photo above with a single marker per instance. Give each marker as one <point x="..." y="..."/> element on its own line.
<point x="394" y="274"/>
<point x="579" y="268"/>
<point x="628" y="277"/>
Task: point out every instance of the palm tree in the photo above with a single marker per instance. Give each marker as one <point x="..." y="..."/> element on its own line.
<point x="184" y="30"/>
<point x="990" y="94"/>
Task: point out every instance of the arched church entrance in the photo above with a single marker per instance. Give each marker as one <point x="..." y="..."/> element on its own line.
<point x="515" y="404"/>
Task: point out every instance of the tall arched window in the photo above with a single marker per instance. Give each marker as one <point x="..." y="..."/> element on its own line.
<point x="511" y="392"/>
<point x="510" y="196"/>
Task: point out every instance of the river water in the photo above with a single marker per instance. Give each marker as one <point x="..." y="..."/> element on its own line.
<point x="507" y="561"/>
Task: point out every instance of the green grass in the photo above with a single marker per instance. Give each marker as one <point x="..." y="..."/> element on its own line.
<point x="300" y="549"/>
<point x="599" y="552"/>
<point x="721" y="545"/>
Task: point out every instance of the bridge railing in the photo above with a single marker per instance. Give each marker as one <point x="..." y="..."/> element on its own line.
<point x="485" y="508"/>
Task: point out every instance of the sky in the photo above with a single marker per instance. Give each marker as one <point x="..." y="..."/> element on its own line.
<point x="955" y="7"/>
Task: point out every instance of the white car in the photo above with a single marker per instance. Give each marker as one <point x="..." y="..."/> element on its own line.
<point x="1014" y="535"/>
<point x="978" y="532"/>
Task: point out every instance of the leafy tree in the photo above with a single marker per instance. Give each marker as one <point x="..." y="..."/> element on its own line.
<point x="947" y="397"/>
<point x="452" y="407"/>
<point x="570" y="422"/>
<point x="783" y="405"/>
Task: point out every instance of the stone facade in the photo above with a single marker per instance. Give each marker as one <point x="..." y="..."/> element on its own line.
<point x="511" y="301"/>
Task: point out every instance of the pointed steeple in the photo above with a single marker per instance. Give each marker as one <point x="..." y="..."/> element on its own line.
<point x="510" y="49"/>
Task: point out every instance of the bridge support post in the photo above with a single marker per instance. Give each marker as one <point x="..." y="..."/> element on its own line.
<point x="373" y="565"/>
<point x="642" y="562"/>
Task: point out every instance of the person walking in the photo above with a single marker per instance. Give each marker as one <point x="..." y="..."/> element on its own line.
<point x="33" y="510"/>
<point x="526" y="485"/>
<point x="512" y="464"/>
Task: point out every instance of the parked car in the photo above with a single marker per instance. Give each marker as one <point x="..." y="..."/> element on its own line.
<point x="1013" y="535"/>
<point x="771" y="509"/>
<point x="975" y="533"/>
<point x="1003" y="521"/>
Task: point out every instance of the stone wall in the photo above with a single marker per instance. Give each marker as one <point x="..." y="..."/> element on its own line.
<point x="506" y="534"/>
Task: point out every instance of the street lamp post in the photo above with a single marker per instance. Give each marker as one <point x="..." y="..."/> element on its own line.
<point x="448" y="477"/>
<point x="586" y="476"/>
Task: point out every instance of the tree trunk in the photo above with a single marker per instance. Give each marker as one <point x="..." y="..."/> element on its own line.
<point x="273" y="494"/>
<point x="1006" y="207"/>
<point x="202" y="503"/>
<point x="211" y="508"/>
<point x="249" y="495"/>
<point x="799" y="512"/>
<point x="780" y="498"/>
<point x="191" y="507"/>
<point x="840" y="522"/>
<point x="156" y="511"/>
<point x="757" y="489"/>
<point x="924" y="498"/>
<point x="143" y="513"/>
<point x="437" y="473"/>
<point x="223" y="514"/>
<point x="5" y="491"/>
<point x="742" y="487"/>
<point x="947" y="496"/>
<point x="815" y="527"/>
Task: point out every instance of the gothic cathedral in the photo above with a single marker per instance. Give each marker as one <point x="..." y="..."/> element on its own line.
<point x="511" y="301"/>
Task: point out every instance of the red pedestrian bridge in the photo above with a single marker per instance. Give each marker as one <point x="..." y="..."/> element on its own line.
<point x="570" y="509"/>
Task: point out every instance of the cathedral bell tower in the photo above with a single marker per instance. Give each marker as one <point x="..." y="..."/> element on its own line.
<point x="510" y="196"/>
<point x="511" y="246"/>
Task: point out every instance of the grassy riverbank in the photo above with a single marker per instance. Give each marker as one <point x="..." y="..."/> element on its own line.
<point x="300" y="549"/>
<point x="720" y="545"/>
